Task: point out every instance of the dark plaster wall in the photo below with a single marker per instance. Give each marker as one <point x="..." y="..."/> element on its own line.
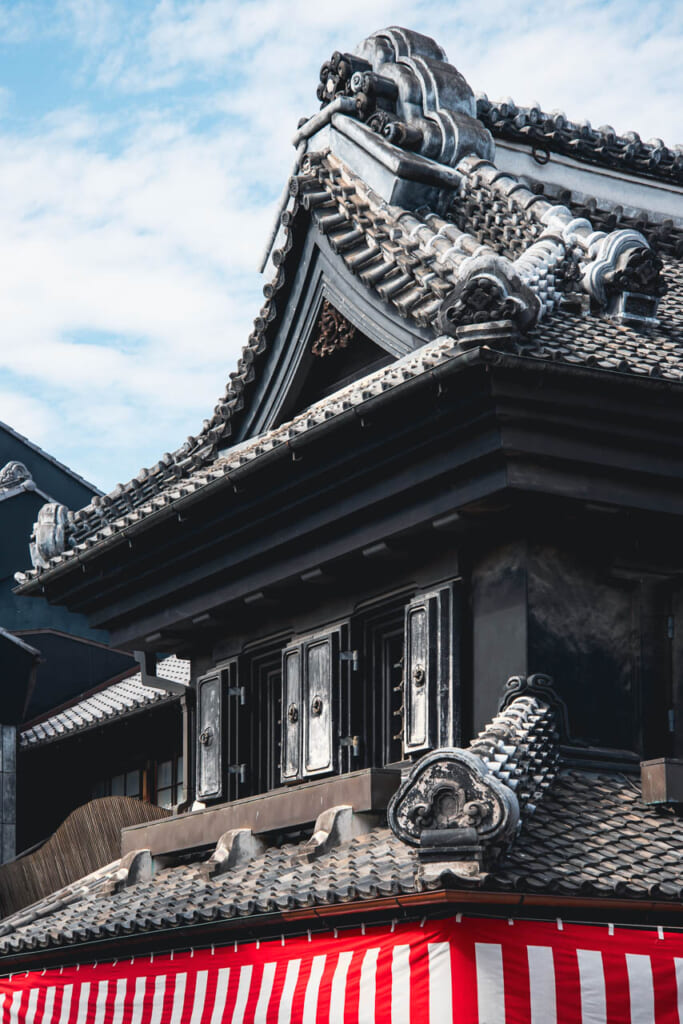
<point x="583" y="631"/>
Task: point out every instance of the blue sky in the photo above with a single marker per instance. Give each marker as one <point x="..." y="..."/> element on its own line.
<point x="143" y="145"/>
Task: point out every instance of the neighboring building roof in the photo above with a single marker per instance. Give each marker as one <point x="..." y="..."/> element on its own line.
<point x="21" y="645"/>
<point x="497" y="246"/>
<point x="27" y="443"/>
<point x="583" y="833"/>
<point x="16" y="479"/>
<point x="19" y="663"/>
<point x="120" y="699"/>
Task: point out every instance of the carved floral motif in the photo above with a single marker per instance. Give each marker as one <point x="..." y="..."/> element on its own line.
<point x="334" y="332"/>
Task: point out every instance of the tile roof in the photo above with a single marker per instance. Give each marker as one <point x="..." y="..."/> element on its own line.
<point x="583" y="833"/>
<point x="594" y="836"/>
<point x="121" y="514"/>
<point x="601" y="146"/>
<point x="413" y="259"/>
<point x="123" y="698"/>
<point x="590" y="835"/>
<point x="574" y="339"/>
<point x="578" y="339"/>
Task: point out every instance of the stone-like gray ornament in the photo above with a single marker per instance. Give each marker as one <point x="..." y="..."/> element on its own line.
<point x="453" y="790"/>
<point x="488" y="290"/>
<point x="624" y="276"/>
<point x="49" y="534"/>
<point x="404" y="89"/>
<point x="12" y="475"/>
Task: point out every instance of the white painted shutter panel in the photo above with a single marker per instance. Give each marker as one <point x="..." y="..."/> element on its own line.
<point x="321" y="656"/>
<point x="209" y="736"/>
<point x="291" y="713"/>
<point x="420" y="673"/>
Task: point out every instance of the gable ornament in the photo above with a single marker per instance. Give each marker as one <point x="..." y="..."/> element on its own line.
<point x="14" y="474"/>
<point x="624" y="277"/>
<point x="333" y="332"/>
<point x="488" y="290"/>
<point x="452" y="808"/>
<point x="49" y="534"/>
<point x="400" y="84"/>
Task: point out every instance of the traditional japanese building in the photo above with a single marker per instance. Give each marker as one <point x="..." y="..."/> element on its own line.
<point x="424" y="561"/>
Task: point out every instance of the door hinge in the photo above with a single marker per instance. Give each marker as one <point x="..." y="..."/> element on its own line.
<point x="351" y="656"/>
<point x="353" y="742"/>
<point x="670" y="627"/>
<point x="672" y="720"/>
<point x="238" y="691"/>
<point x="240" y="770"/>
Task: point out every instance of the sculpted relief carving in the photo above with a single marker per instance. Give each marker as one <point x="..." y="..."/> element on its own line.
<point x="452" y="790"/>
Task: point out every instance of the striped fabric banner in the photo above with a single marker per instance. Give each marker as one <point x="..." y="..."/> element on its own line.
<point x="471" y="971"/>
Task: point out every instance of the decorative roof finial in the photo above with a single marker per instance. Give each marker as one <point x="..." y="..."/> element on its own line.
<point x="403" y="88"/>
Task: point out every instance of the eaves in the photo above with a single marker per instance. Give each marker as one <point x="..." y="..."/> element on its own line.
<point x="233" y="478"/>
<point x="431" y="904"/>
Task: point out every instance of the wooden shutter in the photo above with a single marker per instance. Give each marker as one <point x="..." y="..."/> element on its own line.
<point x="291" y="713"/>
<point x="420" y="673"/>
<point x="431" y="697"/>
<point x="310" y="704"/>
<point x="235" y="732"/>
<point x="210" y="736"/>
<point x="321" y="657"/>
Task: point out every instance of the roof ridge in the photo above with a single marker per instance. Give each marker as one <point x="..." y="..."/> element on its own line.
<point x="554" y="131"/>
<point x="438" y="274"/>
<point x="463" y="807"/>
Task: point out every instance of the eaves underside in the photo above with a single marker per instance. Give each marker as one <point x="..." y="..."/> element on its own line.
<point x="236" y="476"/>
<point x="586" y="446"/>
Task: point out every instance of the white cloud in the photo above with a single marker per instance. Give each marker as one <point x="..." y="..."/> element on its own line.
<point x="615" y="61"/>
<point x="116" y="284"/>
<point x="27" y="415"/>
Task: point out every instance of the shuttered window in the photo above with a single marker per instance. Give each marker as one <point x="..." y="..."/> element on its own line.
<point x="314" y="698"/>
<point x="431" y="670"/>
<point x="420" y="674"/>
<point x="291" y="713"/>
<point x="209" y="736"/>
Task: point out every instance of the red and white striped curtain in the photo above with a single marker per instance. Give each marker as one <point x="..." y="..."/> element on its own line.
<point x="469" y="971"/>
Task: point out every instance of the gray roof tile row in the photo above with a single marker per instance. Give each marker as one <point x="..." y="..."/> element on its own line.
<point x="590" y="834"/>
<point x="601" y="146"/>
<point x="583" y="833"/>
<point x="122" y="698"/>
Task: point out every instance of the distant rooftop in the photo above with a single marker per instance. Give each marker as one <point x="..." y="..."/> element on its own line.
<point x="120" y="699"/>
